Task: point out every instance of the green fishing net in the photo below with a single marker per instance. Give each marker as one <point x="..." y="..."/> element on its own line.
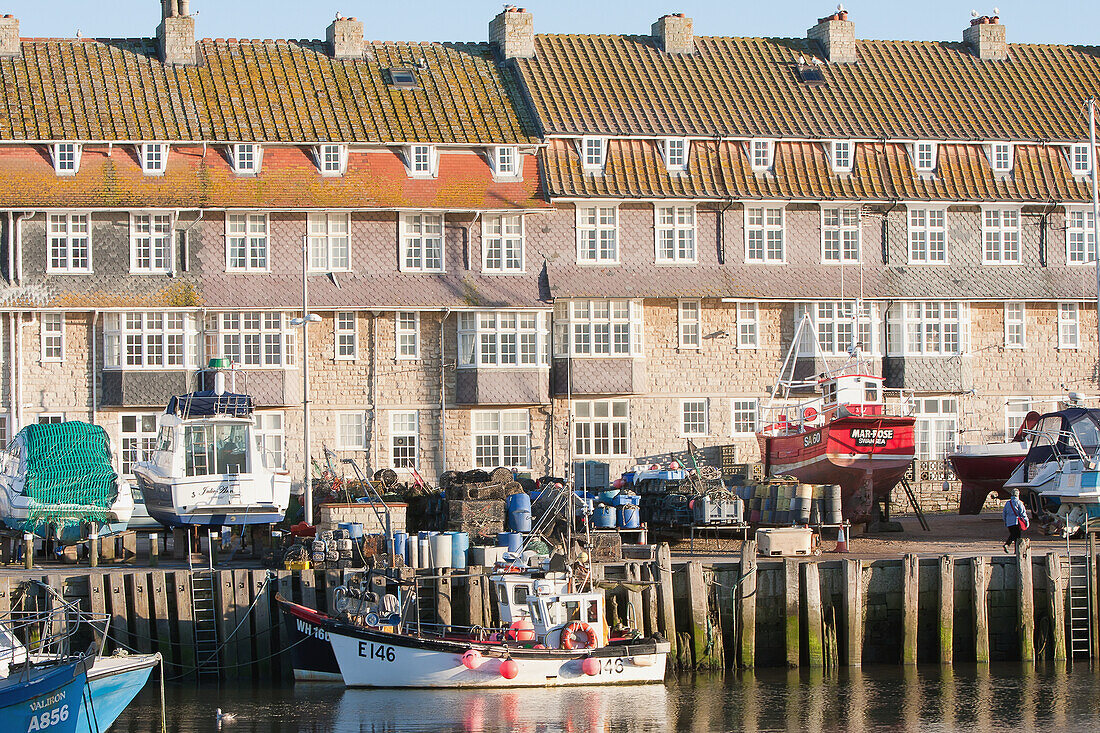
<point x="70" y="479"/>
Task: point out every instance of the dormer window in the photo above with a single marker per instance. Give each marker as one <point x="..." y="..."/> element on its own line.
<point x="422" y="161"/>
<point x="676" y="153"/>
<point x="1000" y="157"/>
<point x="66" y="158"/>
<point x="332" y="159"/>
<point x="154" y="156"/>
<point x="593" y="152"/>
<point x="924" y="156"/>
<point x="246" y="158"/>
<point x="761" y="152"/>
<point x="506" y="161"/>
<point x="1080" y="160"/>
<point x="840" y="156"/>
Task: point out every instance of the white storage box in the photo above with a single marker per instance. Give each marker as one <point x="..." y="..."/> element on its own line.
<point x="781" y="541"/>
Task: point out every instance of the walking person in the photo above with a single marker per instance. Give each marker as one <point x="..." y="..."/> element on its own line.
<point x="1015" y="516"/>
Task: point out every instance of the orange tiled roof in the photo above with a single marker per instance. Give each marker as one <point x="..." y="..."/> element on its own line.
<point x="288" y="179"/>
<point x="624" y="85"/>
<point x="880" y="171"/>
<point x="258" y="91"/>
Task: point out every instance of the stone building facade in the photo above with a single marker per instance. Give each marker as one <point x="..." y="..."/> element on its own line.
<point x="511" y="273"/>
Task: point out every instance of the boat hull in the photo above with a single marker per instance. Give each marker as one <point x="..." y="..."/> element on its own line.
<point x="113" y="682"/>
<point x="374" y="658"/>
<point x="211" y="500"/>
<point x="982" y="474"/>
<point x="49" y="700"/>
<point x="311" y="654"/>
<point x="866" y="455"/>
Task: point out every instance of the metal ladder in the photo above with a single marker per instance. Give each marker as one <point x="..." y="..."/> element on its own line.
<point x="1080" y="600"/>
<point x="206" y="623"/>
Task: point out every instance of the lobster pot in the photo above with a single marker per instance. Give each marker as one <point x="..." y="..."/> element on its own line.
<point x="519" y="512"/>
<point x="440" y="552"/>
<point x="460" y="542"/>
<point x="628" y="517"/>
<point x="412" y="554"/>
<point x="804" y="496"/>
<point x="400" y="540"/>
<point x="511" y="540"/>
<point x="604" y="517"/>
<point x="834" y="513"/>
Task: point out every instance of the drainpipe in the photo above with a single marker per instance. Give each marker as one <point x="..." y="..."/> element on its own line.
<point x="11" y="246"/>
<point x="186" y="243"/>
<point x="19" y="372"/>
<point x="374" y="315"/>
<point x="886" y="232"/>
<point x="95" y="366"/>
<point x="722" y="231"/>
<point x="12" y="400"/>
<point x="443" y="394"/>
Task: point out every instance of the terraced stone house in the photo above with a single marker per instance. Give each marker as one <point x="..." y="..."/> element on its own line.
<point x="544" y="247"/>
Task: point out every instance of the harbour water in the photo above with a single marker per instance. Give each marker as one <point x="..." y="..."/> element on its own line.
<point x="966" y="698"/>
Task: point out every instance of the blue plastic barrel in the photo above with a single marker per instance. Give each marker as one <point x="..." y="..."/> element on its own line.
<point x="604" y="517"/>
<point x="400" y="539"/>
<point x="512" y="540"/>
<point x="629" y="517"/>
<point x="519" y="512"/>
<point x="460" y="542"/>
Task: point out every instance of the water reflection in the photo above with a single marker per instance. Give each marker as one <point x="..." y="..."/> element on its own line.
<point x="966" y="698"/>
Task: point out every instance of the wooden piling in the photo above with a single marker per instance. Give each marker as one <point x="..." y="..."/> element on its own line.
<point x="308" y="582"/>
<point x="947" y="609"/>
<point x="262" y="620"/>
<point x="747" y="604"/>
<point x="185" y="624"/>
<point x="1025" y="600"/>
<point x="474" y="600"/>
<point x="119" y="615"/>
<point x="443" y="598"/>
<point x="138" y="589"/>
<point x="703" y="635"/>
<point x="910" y="586"/>
<point x="649" y="599"/>
<point x="154" y="549"/>
<point x="93" y="549"/>
<point x="28" y="551"/>
<point x="815" y="628"/>
<point x="226" y="600"/>
<point x="97" y="601"/>
<point x="633" y="611"/>
<point x="667" y="615"/>
<point x="790" y="583"/>
<point x="853" y="602"/>
<point x="980" y="576"/>
<point x="1094" y="597"/>
<point x="242" y="591"/>
<point x="1056" y="591"/>
<point x="160" y="615"/>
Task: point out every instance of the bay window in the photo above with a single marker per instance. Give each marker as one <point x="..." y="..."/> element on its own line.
<point x="928" y="328"/>
<point x="502" y="339"/>
<point x="598" y="328"/>
<point x="149" y="340"/>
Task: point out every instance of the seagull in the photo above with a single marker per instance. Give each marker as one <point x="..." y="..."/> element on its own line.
<point x="224" y="717"/>
<point x="996" y="11"/>
<point x="801" y="60"/>
<point x="973" y="13"/>
<point x="840" y="7"/>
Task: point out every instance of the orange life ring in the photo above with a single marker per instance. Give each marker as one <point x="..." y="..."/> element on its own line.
<point x="569" y="636"/>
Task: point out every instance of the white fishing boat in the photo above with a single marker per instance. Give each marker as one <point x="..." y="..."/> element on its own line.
<point x="59" y="479"/>
<point x="207" y="467"/>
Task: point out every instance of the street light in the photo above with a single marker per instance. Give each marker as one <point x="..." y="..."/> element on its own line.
<point x="306" y="319"/>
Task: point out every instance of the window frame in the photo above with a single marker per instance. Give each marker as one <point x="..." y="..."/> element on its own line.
<point x="1010" y="342"/>
<point x="169" y="250"/>
<point x="341" y="332"/>
<point x="565" y="328"/>
<point x="1065" y="307"/>
<point x="684" y="324"/>
<point x="995" y="149"/>
<point x="585" y="144"/>
<point x="237" y="155"/>
<point x="119" y="336"/>
<point x="399" y="331"/>
<point x="929" y="426"/>
<point x="504" y="238"/>
<point x="1028" y="405"/>
<point x="47" y="337"/>
<point x="764" y="227"/>
<point x="899" y="316"/>
<point x="501" y="433"/>
<point x="742" y="321"/>
<point x="68" y="237"/>
<point x="499" y="170"/>
<point x="1075" y="149"/>
<point x="667" y="153"/>
<point x="928" y="229"/>
<point x="590" y="421"/>
<point x="597" y="227"/>
<point x="1000" y="230"/>
<point x="146" y="441"/>
<point x="361" y="418"/>
<point x="262" y="433"/>
<point x="406" y="236"/>
<point x="414" y="434"/>
<point x="841" y="227"/>
<point x="257" y="338"/>
<point x="321" y="154"/>
<point x="248" y="242"/>
<point x="767" y="145"/>
<point x="734" y="411"/>
<point x="472" y="337"/>
<point x="429" y="167"/>
<point x="835" y="159"/>
<point x="145" y="152"/>
<point x="676" y="229"/>
<point x="330" y="240"/>
<point x="684" y="402"/>
<point x="918" y="152"/>
<point x="1073" y="230"/>
<point x="833" y="320"/>
<point x="58" y="160"/>
<point x="49" y="418"/>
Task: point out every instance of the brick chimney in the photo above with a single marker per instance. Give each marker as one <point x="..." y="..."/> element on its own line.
<point x="986" y="38"/>
<point x="9" y="36"/>
<point x="345" y="38"/>
<point x="513" y="32"/>
<point x="674" y="33"/>
<point x="837" y="37"/>
<point x="176" y="34"/>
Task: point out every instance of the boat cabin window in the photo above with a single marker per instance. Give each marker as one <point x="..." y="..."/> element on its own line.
<point x="829" y="391"/>
<point x="220" y="449"/>
<point x="572" y="611"/>
<point x="870" y="392"/>
<point x="502" y="592"/>
<point x="593" y="611"/>
<point x="1086" y="432"/>
<point x="166" y="438"/>
<point x="536" y="614"/>
<point x="519" y="595"/>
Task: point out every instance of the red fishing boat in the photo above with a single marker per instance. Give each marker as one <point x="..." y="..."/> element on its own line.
<point x="838" y="427"/>
<point x="983" y="469"/>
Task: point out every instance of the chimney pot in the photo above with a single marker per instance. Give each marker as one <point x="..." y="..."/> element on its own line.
<point x="986" y="38"/>
<point x="674" y="33"/>
<point x="9" y="36"/>
<point x="345" y="38"/>
<point x="837" y="37"/>
<point x="512" y="31"/>
<point x="176" y="33"/>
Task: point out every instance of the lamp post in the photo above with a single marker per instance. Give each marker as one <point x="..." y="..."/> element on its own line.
<point x="306" y="319"/>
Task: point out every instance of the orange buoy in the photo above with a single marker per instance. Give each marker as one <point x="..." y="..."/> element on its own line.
<point x="590" y="666"/>
<point x="471" y="659"/>
<point x="509" y="669"/>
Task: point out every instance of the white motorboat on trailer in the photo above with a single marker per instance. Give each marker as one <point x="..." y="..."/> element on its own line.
<point x="60" y="477"/>
<point x="208" y="467"/>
